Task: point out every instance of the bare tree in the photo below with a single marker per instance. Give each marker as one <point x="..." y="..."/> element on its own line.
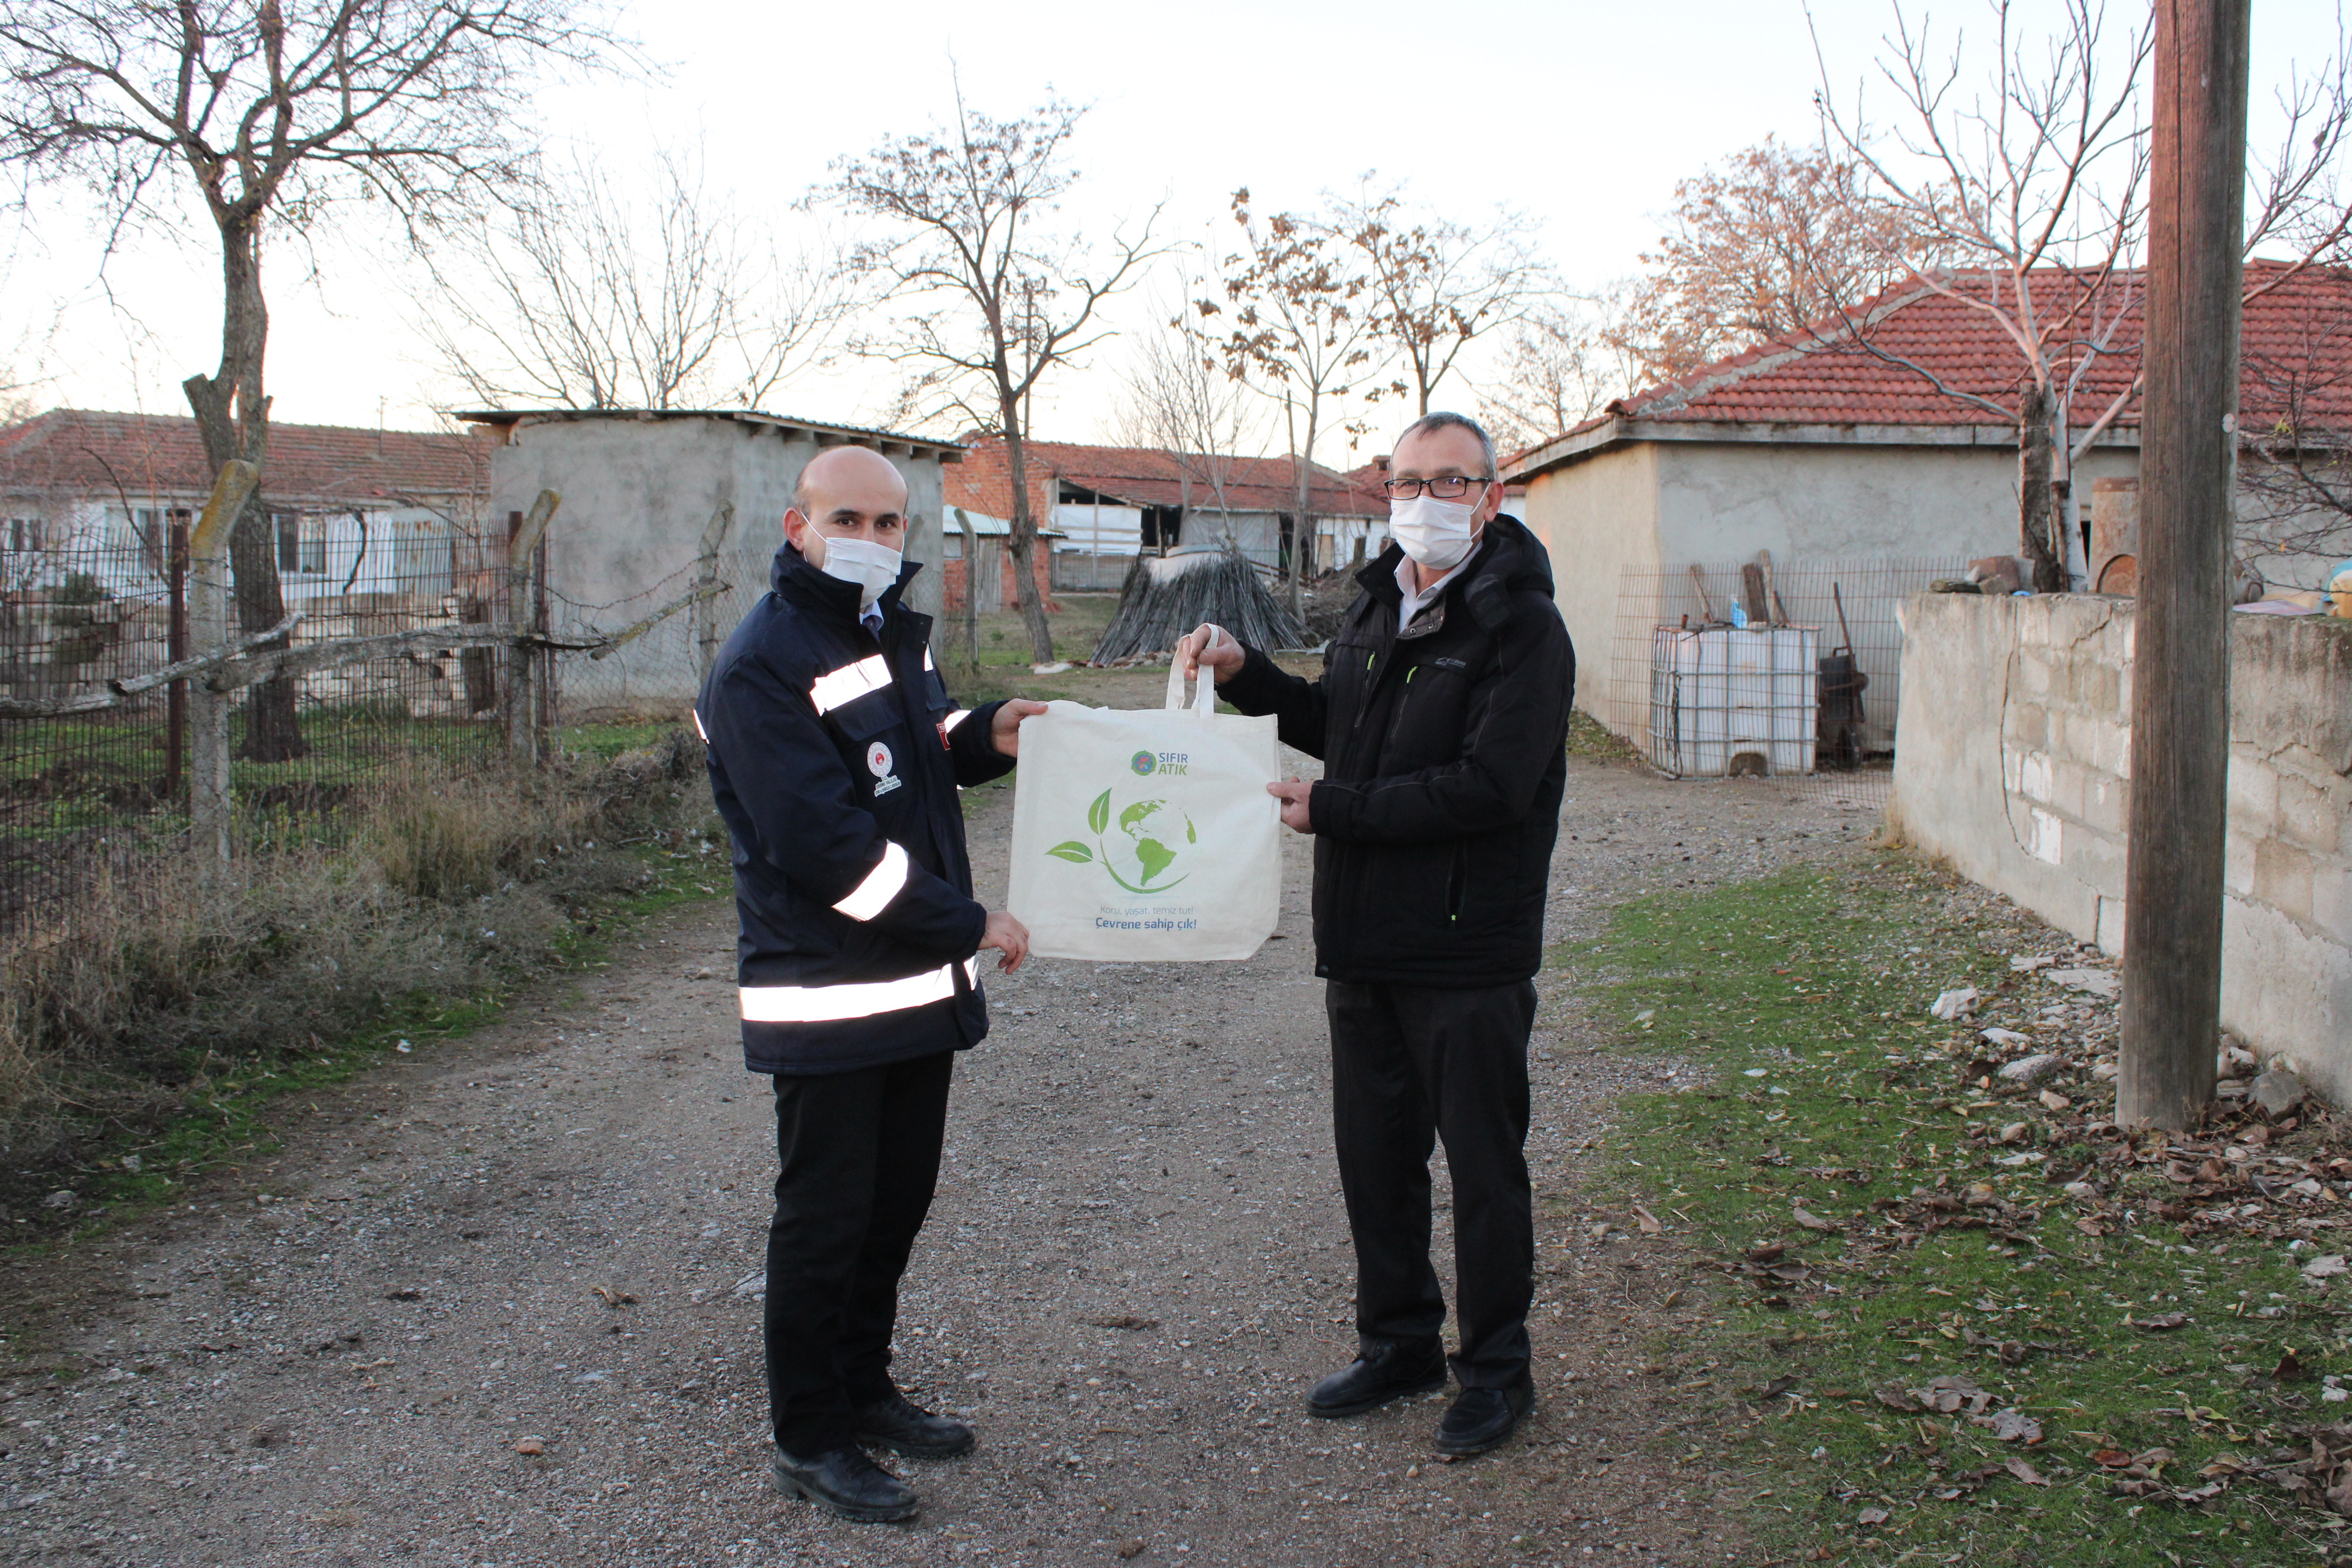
<point x="967" y="210"/>
<point x="2030" y="193"/>
<point x="274" y="115"/>
<point x="1564" y="367"/>
<point x="1305" y="330"/>
<point x="576" y="295"/>
<point x="1437" y="284"/>
<point x="1760" y="246"/>
<point x="1178" y="400"/>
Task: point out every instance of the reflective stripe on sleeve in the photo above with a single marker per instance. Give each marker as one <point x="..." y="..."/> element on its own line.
<point x="698" y="728"/>
<point x="948" y="724"/>
<point x="872" y="895"/>
<point x="833" y="1004"/>
<point x="927" y="657"/>
<point x="850" y="682"/>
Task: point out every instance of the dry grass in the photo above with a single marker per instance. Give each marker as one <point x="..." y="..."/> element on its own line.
<point x="450" y="886"/>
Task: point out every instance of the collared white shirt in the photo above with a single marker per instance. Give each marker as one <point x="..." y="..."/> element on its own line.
<point x="1414" y="599"/>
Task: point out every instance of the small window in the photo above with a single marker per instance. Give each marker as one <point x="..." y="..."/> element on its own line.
<point x="26" y="535"/>
<point x="302" y="544"/>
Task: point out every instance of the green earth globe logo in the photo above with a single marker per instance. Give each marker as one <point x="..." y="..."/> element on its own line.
<point x="1153" y="840"/>
<point x="1144" y="761"/>
<point x="1147" y="851"/>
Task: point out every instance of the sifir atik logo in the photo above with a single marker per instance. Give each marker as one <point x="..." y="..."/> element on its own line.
<point x="1147" y="763"/>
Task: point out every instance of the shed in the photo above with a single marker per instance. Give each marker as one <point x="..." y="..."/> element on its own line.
<point x="640" y="488"/>
<point x="1845" y="453"/>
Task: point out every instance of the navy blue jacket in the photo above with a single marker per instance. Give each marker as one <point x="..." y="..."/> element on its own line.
<point x="834" y="757"/>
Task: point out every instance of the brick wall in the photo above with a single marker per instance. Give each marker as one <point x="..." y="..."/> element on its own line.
<point x="2013" y="761"/>
<point x="984" y="482"/>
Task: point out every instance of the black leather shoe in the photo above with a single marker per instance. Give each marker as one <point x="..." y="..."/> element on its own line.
<point x="905" y="1428"/>
<point x="846" y="1482"/>
<point x="1481" y="1418"/>
<point x="1379" y="1374"/>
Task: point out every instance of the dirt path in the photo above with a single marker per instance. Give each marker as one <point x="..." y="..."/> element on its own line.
<point x="1136" y="1265"/>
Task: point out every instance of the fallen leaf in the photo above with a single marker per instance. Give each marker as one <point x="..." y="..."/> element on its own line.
<point x="2010" y="1426"/>
<point x="1894" y="1396"/>
<point x="1871" y="1516"/>
<point x="1648" y="1221"/>
<point x="2327" y="1266"/>
<point x="2162" y="1322"/>
<point x="2113" y="1459"/>
<point x="2289" y="1369"/>
<point x="2025" y="1472"/>
<point x="1809" y="1220"/>
<point x="613" y="1297"/>
<point x="530" y="1446"/>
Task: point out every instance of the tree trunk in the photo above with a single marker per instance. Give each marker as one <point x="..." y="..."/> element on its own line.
<point x="233" y="420"/>
<point x="1302" y="527"/>
<point x="2035" y="531"/>
<point x="1025" y="545"/>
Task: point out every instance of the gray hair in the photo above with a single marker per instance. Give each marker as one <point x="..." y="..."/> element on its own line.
<point x="1448" y="421"/>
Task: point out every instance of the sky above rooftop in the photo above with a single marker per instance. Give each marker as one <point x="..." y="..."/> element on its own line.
<point x="1581" y="115"/>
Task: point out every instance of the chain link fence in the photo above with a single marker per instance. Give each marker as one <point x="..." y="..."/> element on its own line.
<point x="99" y="756"/>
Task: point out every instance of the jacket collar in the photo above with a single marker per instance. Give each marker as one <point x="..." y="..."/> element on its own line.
<point x="792" y="577"/>
<point x="1507" y="557"/>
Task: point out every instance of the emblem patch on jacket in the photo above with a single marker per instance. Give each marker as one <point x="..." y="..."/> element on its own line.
<point x="877" y="763"/>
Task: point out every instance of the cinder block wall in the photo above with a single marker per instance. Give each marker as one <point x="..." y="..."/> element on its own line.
<point x="2013" y="761"/>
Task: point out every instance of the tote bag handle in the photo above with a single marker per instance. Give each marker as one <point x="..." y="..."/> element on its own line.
<point x="1205" y="701"/>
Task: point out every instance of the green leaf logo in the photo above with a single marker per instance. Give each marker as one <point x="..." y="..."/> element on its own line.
<point x="1147" y="829"/>
<point x="1073" y="850"/>
<point x="1098" y="813"/>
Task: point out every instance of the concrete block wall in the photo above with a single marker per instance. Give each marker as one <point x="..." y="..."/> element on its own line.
<point x="2013" y="761"/>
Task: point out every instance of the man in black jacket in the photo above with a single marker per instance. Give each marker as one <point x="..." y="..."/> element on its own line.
<point x="835" y="757"/>
<point x="1442" y="721"/>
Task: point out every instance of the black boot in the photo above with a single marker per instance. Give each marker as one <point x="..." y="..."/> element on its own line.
<point x="1381" y="1371"/>
<point x="1482" y="1417"/>
<point x="903" y="1426"/>
<point x="846" y="1482"/>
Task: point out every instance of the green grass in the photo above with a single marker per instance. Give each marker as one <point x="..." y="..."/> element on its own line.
<point x="1803" y="1000"/>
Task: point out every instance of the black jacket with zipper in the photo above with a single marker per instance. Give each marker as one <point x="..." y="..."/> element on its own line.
<point x="1445" y="756"/>
<point x="834" y="757"/>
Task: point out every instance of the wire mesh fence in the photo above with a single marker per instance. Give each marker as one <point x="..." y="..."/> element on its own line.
<point x="104" y="793"/>
<point x="1790" y="671"/>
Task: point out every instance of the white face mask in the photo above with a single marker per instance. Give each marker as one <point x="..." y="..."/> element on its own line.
<point x="873" y="567"/>
<point x="1436" y="533"/>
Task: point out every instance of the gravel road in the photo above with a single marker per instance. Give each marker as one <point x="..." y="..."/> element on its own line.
<point x="491" y="1304"/>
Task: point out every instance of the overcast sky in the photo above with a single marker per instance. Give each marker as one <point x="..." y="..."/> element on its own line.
<point x="1581" y="115"/>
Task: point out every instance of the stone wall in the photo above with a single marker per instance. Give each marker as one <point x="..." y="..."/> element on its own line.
<point x="2013" y="761"/>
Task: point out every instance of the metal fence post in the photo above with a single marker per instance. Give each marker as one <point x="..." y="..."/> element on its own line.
<point x="705" y="611"/>
<point x="522" y="695"/>
<point x="208" y="783"/>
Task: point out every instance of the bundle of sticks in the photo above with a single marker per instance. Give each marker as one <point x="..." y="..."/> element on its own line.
<point x="1168" y="596"/>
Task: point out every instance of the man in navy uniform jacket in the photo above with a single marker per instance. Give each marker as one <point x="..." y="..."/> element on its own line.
<point x="835" y="758"/>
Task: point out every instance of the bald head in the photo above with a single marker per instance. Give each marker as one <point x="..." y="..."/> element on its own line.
<point x="846" y="492"/>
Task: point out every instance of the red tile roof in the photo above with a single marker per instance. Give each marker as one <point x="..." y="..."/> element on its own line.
<point x="149" y="456"/>
<point x="1147" y="477"/>
<point x="2296" y="333"/>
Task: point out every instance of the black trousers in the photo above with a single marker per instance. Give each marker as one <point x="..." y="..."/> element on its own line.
<point x="857" y="1156"/>
<point x="1410" y="1064"/>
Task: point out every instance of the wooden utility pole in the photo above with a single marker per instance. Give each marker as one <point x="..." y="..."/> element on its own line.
<point x="523" y="659"/>
<point x="2180" y="663"/>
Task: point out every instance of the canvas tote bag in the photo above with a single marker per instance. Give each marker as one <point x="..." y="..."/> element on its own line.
<point x="1145" y="834"/>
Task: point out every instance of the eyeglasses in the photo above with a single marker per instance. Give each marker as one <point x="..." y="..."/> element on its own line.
<point x="1449" y="487"/>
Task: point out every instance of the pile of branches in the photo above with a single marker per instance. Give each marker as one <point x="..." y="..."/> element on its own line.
<point x="1167" y="596"/>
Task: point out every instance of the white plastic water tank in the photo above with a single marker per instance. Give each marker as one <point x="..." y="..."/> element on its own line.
<point x="1726" y="693"/>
